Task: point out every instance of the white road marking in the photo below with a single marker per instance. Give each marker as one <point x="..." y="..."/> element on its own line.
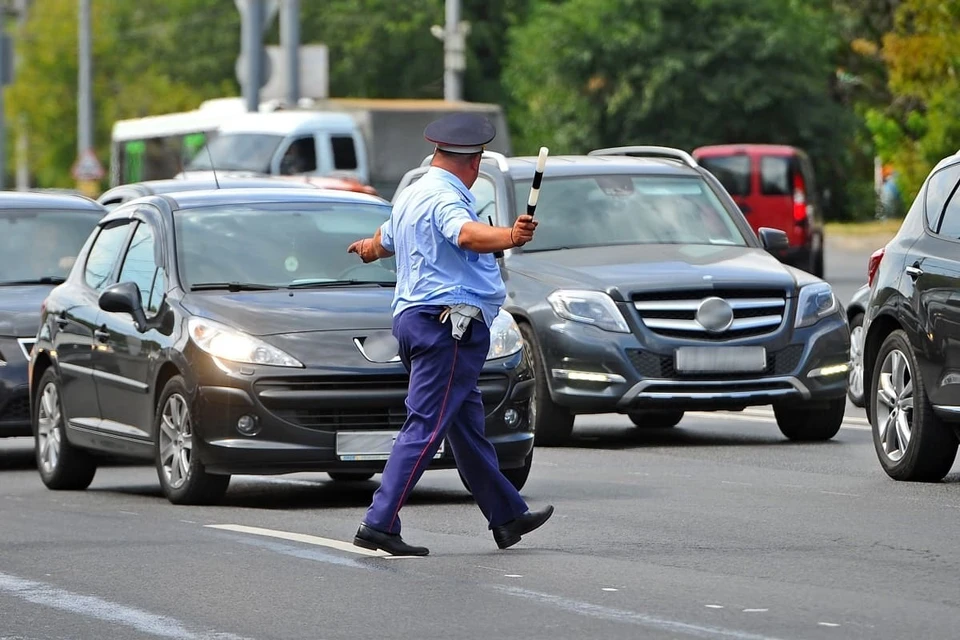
<point x="828" y="624"/>
<point x="742" y="484"/>
<point x="630" y="617"/>
<point x="840" y="493"/>
<point x="713" y="606"/>
<point x="610" y="589"/>
<point x="854" y="423"/>
<point x="104" y="610"/>
<point x="339" y="545"/>
<point x="512" y="575"/>
<point x="755" y="610"/>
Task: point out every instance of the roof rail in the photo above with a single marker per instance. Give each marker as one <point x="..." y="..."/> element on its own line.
<point x="496" y="156"/>
<point x="648" y="152"/>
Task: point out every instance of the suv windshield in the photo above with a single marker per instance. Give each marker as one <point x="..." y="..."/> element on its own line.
<point x="39" y="245"/>
<point x="262" y="246"/>
<point x="592" y="211"/>
<point x="237" y="152"/>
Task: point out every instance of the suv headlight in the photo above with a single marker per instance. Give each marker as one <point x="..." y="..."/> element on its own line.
<point x="505" y="338"/>
<point x="589" y="307"/>
<point x="222" y="342"/>
<point x="816" y="302"/>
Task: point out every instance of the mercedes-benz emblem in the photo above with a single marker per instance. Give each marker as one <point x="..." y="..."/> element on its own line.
<point x="715" y="315"/>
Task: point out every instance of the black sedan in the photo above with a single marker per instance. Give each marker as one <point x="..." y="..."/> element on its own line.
<point x="40" y="236"/>
<point x="646" y="292"/>
<point x="229" y="332"/>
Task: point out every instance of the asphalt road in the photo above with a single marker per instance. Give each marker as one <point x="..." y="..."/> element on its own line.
<point x="719" y="528"/>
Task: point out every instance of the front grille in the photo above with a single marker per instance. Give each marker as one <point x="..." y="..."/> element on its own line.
<point x="16" y="410"/>
<point x="756" y="312"/>
<point x="651" y="365"/>
<point x="352" y="402"/>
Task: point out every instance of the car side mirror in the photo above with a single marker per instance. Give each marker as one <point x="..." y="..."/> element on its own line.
<point x="124" y="297"/>
<point x="773" y="240"/>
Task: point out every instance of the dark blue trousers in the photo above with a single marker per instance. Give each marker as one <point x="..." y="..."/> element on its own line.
<point x="443" y="401"/>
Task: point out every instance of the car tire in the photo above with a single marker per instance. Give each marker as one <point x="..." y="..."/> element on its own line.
<point x="811" y="424"/>
<point x="931" y="446"/>
<point x="656" y="419"/>
<point x="552" y="425"/>
<point x="856" y="378"/>
<point x="62" y="466"/>
<point x="349" y="476"/>
<point x="517" y="476"/>
<point x="182" y="476"/>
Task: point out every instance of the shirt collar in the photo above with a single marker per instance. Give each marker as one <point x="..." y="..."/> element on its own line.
<point x="453" y="181"/>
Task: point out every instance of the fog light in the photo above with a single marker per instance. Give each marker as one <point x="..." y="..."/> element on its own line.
<point x="830" y="370"/>
<point x="511" y="417"/>
<point x="247" y="425"/>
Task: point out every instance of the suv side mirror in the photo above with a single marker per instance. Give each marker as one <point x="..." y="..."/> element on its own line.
<point x="773" y="240"/>
<point x="124" y="297"/>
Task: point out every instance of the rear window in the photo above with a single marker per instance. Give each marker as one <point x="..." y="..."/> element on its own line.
<point x="733" y="172"/>
<point x="939" y="188"/>
<point x="776" y="176"/>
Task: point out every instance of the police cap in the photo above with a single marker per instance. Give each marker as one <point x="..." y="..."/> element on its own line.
<point x="460" y="133"/>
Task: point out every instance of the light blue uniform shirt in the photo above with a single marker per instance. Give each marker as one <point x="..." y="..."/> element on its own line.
<point x="422" y="232"/>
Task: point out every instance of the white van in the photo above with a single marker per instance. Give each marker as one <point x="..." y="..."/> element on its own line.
<point x="310" y="143"/>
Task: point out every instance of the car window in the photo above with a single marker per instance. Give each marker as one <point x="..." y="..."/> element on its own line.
<point x="41" y="243"/>
<point x="103" y="255"/>
<point x="950" y="223"/>
<point x="237" y="152"/>
<point x="344" y="152"/>
<point x="300" y="157"/>
<point x="939" y="187"/>
<point x="485" y="192"/>
<point x="278" y="244"/>
<point x="140" y="266"/>
<point x="776" y="176"/>
<point x="606" y="210"/>
<point x="733" y="172"/>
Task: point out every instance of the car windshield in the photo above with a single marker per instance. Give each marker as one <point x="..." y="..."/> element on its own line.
<point x="39" y="245"/>
<point x="262" y="246"/>
<point x="237" y="152"/>
<point x="604" y="210"/>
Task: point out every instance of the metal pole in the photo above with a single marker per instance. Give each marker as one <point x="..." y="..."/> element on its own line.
<point x="3" y="109"/>
<point x="85" y="94"/>
<point x="252" y="27"/>
<point x="453" y="52"/>
<point x="290" y="41"/>
<point x="23" y="159"/>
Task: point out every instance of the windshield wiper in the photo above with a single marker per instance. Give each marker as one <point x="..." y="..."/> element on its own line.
<point x="320" y="284"/>
<point x="42" y="280"/>
<point x="233" y="286"/>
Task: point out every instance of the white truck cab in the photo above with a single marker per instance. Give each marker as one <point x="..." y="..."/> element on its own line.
<point x="311" y="143"/>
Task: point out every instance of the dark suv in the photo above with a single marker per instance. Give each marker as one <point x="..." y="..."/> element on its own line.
<point x="646" y="292"/>
<point x="911" y="353"/>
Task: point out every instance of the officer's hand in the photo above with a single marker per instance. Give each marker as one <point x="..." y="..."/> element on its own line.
<point x="522" y="231"/>
<point x="362" y="249"/>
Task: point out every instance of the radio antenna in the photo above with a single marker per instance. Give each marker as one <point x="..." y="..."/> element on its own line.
<point x="206" y="145"/>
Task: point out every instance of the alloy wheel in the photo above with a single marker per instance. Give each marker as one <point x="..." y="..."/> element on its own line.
<point x="855" y="380"/>
<point x="894" y="405"/>
<point x="48" y="427"/>
<point x="176" y="441"/>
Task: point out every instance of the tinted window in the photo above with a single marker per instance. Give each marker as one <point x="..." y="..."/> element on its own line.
<point x="278" y="244"/>
<point x="776" y="177"/>
<point x="485" y="193"/>
<point x="103" y="255"/>
<point x="238" y="152"/>
<point x="300" y="157"/>
<point x="140" y="266"/>
<point x="585" y="211"/>
<point x="939" y="187"/>
<point x="950" y="225"/>
<point x="39" y="243"/>
<point x="344" y="153"/>
<point x="733" y="172"/>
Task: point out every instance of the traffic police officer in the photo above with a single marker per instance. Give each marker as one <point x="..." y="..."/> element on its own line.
<point x="449" y="290"/>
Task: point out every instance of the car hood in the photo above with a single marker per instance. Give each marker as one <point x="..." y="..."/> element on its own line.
<point x="264" y="313"/>
<point x="20" y="310"/>
<point x="620" y="270"/>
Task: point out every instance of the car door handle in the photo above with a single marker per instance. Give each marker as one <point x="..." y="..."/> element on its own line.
<point x="914" y="271"/>
<point x="101" y="335"/>
<point x="62" y="322"/>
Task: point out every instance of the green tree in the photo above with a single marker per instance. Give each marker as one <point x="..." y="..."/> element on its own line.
<point x="592" y="73"/>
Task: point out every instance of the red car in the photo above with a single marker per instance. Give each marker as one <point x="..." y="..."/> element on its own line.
<point x="774" y="186"/>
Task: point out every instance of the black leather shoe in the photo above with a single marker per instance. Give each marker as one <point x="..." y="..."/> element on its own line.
<point x="392" y="543"/>
<point x="509" y="534"/>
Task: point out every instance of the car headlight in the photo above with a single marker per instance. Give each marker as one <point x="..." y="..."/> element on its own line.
<point x="222" y="342"/>
<point x="816" y="302"/>
<point x="505" y="338"/>
<point x="589" y="307"/>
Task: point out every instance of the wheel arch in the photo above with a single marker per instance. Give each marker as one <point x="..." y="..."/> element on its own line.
<point x="881" y="327"/>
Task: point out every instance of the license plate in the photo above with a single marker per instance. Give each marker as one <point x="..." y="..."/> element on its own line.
<point x="368" y="445"/>
<point x="720" y="359"/>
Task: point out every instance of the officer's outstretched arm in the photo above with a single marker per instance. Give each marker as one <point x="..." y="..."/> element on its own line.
<point x="370" y="249"/>
<point x="482" y="238"/>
